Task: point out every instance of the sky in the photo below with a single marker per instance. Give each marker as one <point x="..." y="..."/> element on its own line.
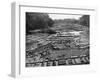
<point x="62" y="16"/>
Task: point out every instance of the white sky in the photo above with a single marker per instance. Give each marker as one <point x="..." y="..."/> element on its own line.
<point x="62" y="16"/>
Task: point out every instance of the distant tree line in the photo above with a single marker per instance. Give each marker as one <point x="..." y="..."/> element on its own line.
<point x="67" y="21"/>
<point x="84" y="20"/>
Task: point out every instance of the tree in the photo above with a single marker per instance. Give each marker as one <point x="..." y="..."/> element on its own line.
<point x="37" y="21"/>
<point x="84" y="20"/>
<point x="50" y="22"/>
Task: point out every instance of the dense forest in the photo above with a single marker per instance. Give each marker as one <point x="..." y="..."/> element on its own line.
<point x="37" y="21"/>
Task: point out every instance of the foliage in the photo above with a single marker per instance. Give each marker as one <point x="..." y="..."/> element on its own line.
<point x="84" y="20"/>
<point x="37" y="21"/>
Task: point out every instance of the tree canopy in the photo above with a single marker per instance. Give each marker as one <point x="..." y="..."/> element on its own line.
<point x="84" y="20"/>
<point x="37" y="21"/>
